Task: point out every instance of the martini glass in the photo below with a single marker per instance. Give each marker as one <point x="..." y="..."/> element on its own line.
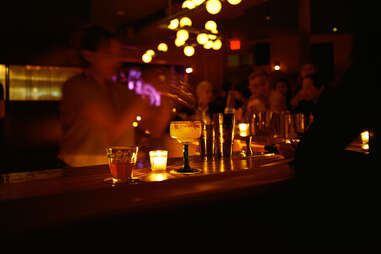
<point x="185" y="132"/>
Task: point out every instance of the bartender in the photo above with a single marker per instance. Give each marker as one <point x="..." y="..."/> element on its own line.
<point x="95" y="111"/>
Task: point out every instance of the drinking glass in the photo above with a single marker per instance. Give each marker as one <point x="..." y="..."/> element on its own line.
<point x="185" y="132"/>
<point x="244" y="133"/>
<point x="121" y="161"/>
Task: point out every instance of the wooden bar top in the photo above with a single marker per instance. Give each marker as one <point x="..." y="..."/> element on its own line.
<point x="32" y="200"/>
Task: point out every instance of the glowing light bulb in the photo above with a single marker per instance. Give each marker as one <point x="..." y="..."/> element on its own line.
<point x="217" y="44"/>
<point x="277" y="67"/>
<point x="210" y="25"/>
<point x="150" y="52"/>
<point x="182" y="35"/>
<point x="188" y="4"/>
<point x="198" y="2"/>
<point x="138" y="118"/>
<point x="208" y="45"/>
<point x="135" y="124"/>
<point x="189" y="51"/>
<point x="147" y="58"/>
<point x="179" y="42"/>
<point x="234" y="2"/>
<point x="202" y="38"/>
<point x="189" y="70"/>
<point x="185" y="21"/>
<point x="212" y="37"/>
<point x="162" y="47"/>
<point x="213" y="6"/>
<point x="174" y="23"/>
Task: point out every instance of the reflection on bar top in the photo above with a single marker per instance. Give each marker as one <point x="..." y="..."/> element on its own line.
<point x="143" y="171"/>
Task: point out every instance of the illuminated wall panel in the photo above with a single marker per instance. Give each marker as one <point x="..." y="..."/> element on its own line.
<point x="38" y="83"/>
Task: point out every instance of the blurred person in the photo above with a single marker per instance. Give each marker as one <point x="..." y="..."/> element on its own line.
<point x="96" y="112"/>
<point x="307" y="97"/>
<point x="260" y="89"/>
<point x="204" y="95"/>
<point x="335" y="190"/>
<point x="280" y="96"/>
<point x="307" y="68"/>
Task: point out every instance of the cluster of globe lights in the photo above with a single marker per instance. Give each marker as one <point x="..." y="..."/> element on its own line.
<point x="208" y="40"/>
<point x="212" y="6"/>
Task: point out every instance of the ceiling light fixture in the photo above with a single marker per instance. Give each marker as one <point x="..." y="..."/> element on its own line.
<point x="213" y="6"/>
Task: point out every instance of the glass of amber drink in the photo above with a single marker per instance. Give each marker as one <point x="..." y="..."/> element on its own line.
<point x="121" y="161"/>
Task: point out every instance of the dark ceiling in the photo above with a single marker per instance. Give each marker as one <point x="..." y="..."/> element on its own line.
<point x="33" y="26"/>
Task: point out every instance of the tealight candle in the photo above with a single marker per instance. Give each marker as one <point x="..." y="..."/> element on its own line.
<point x="243" y="129"/>
<point x="158" y="159"/>
<point x="365" y="140"/>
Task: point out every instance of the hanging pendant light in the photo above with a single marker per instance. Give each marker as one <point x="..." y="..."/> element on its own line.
<point x="185" y="21"/>
<point x="189" y="51"/>
<point x="202" y="38"/>
<point x="213" y="6"/>
<point x="234" y="2"/>
<point x="162" y="47"/>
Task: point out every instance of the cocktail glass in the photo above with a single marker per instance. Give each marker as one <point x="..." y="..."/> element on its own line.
<point x="185" y="132"/>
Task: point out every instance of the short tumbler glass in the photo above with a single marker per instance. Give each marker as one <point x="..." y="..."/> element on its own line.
<point x="121" y="161"/>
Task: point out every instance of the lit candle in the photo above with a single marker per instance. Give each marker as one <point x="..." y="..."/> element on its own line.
<point x="365" y="140"/>
<point x="243" y="129"/>
<point x="158" y="159"/>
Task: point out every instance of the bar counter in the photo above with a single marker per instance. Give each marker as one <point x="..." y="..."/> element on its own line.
<point x="41" y="200"/>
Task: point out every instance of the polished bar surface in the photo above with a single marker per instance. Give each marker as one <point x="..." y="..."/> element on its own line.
<point x="60" y="196"/>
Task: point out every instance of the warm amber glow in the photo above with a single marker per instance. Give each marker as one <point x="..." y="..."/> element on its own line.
<point x="234" y="2"/>
<point x="277" y="67"/>
<point x="365" y="140"/>
<point x="189" y="70"/>
<point x="135" y="124"/>
<point x="210" y="25"/>
<point x="213" y="6"/>
<point x="162" y="47"/>
<point x="182" y="35"/>
<point x="198" y="2"/>
<point x="365" y="137"/>
<point x="174" y="110"/>
<point x="174" y="23"/>
<point x="158" y="159"/>
<point x="188" y="4"/>
<point x="243" y="129"/>
<point x="212" y="37"/>
<point x="150" y="52"/>
<point x="185" y="21"/>
<point x="185" y="131"/>
<point x="217" y="44"/>
<point x="189" y="51"/>
<point x="208" y="45"/>
<point x="147" y="58"/>
<point x="138" y="118"/>
<point x="179" y="42"/>
<point x="202" y="38"/>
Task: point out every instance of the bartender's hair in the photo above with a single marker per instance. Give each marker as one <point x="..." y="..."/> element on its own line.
<point x="91" y="38"/>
